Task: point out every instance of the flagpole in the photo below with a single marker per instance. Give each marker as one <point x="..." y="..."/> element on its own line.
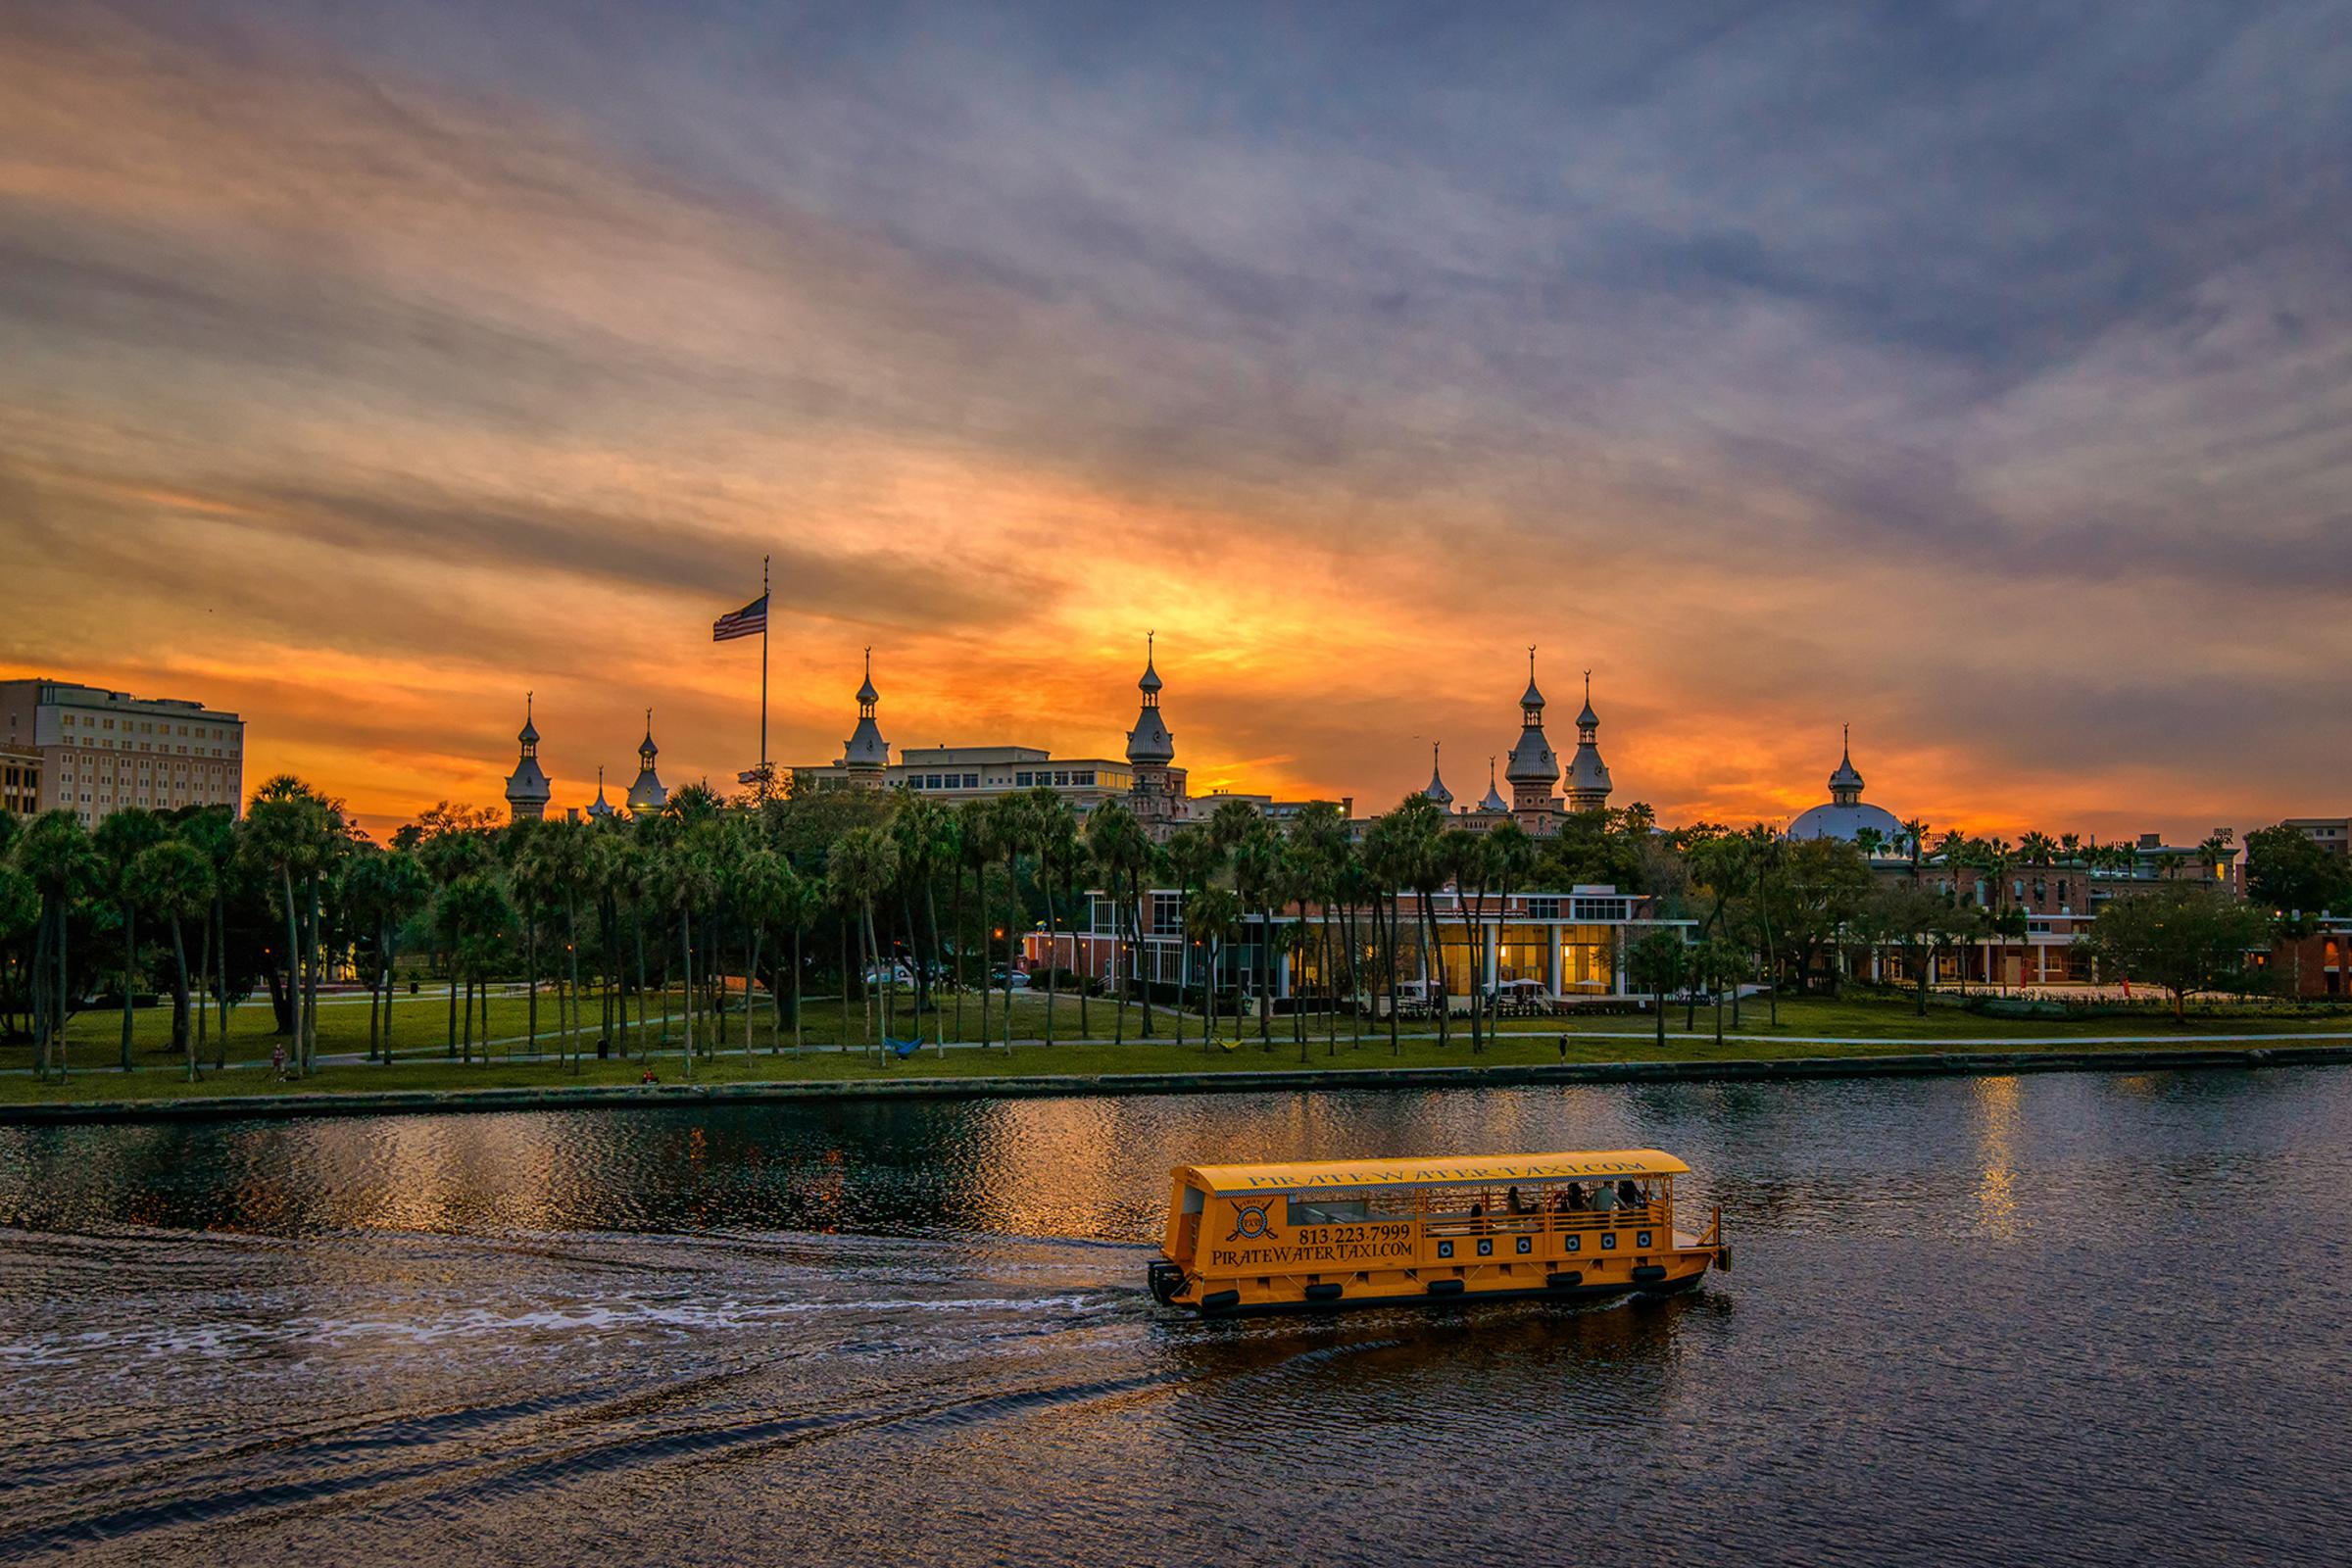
<point x="766" y="780"/>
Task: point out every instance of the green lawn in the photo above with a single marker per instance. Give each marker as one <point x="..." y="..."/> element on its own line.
<point x="1877" y="1026"/>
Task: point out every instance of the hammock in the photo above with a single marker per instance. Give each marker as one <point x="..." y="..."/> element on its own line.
<point x="903" y="1048"/>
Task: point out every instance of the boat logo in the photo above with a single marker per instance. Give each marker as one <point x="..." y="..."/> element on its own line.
<point x="1250" y="1222"/>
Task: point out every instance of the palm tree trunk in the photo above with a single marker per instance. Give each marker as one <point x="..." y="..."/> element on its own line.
<point x="131" y="957"/>
<point x="1384" y="914"/>
<point x="956" y="914"/>
<point x="390" y="930"/>
<point x="797" y="1045"/>
<point x="571" y="916"/>
<point x="1069" y="892"/>
<point x="65" y="989"/>
<point x="220" y="978"/>
<point x="1012" y="934"/>
<point x="530" y="976"/>
<point x="1123" y="957"/>
<point x="1471" y="934"/>
<point x="185" y="1041"/>
<point x="204" y="977"/>
<point x="1045" y="885"/>
<point x="750" y="972"/>
<point x="294" y="962"/>
<point x="314" y="953"/>
<point x="931" y="980"/>
<point x="453" y="1003"/>
<point x="686" y="942"/>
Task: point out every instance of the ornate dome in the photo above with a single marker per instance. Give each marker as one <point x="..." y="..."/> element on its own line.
<point x="1836" y="819"/>
<point x="1845" y="814"/>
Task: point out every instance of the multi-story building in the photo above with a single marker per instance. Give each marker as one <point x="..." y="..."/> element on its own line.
<point x="19" y="779"/>
<point x="99" y="752"/>
<point x="1146" y="777"/>
<point x="2330" y="833"/>
<point x="1534" y="947"/>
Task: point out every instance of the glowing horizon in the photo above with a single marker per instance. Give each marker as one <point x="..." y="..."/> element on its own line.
<point x="363" y="372"/>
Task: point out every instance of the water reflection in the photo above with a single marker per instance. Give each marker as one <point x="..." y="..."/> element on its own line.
<point x="915" y="1333"/>
<point x="1996" y="1101"/>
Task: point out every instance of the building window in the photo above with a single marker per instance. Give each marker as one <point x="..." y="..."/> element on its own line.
<point x="971" y="781"/>
<point x="1021" y="781"/>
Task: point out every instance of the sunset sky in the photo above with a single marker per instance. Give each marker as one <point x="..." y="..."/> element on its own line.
<point x="1980" y="376"/>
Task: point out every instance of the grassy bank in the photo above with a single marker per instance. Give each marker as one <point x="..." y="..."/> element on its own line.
<point x="1809" y="1027"/>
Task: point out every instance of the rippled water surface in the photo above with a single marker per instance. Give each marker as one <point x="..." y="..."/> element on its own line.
<point x="2093" y="1319"/>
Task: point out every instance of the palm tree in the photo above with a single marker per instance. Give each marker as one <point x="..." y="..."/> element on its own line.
<point x="213" y="831"/>
<point x="1256" y="878"/>
<point x="1053" y="834"/>
<point x="121" y="840"/>
<point x="1012" y="822"/>
<point x="1765" y="848"/>
<point x="400" y="887"/>
<point x="976" y="847"/>
<point x="1386" y="861"/>
<point x="1193" y="857"/>
<point x="1657" y="964"/>
<point x="1210" y="917"/>
<point x="563" y="868"/>
<point x="286" y="829"/>
<point x="524" y="851"/>
<point x="759" y="883"/>
<point x="687" y="883"/>
<point x="1915" y="842"/>
<point x="56" y="854"/>
<point x="1510" y="859"/>
<point x="473" y="916"/>
<point x="1119" y="847"/>
<point x="1465" y="855"/>
<point x="861" y="865"/>
<point x="175" y="881"/>
<point x="1423" y="861"/>
<point x="926" y="834"/>
<point x="454" y="846"/>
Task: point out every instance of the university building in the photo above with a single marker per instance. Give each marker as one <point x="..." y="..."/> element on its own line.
<point x="95" y="752"/>
<point x="1535" y="948"/>
<point x="2058" y="897"/>
<point x="1146" y="777"/>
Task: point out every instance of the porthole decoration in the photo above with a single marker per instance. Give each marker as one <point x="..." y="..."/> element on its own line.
<point x="1641" y="1238"/>
<point x="1444" y="1249"/>
<point x="1486" y="1246"/>
<point x="1576" y="1244"/>
<point x="1527" y="1244"/>
<point x="1608" y="1241"/>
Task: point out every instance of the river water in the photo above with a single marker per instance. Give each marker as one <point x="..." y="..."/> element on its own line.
<point x="2078" y="1319"/>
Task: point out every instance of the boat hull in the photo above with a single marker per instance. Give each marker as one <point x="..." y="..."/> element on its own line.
<point x="1220" y="1298"/>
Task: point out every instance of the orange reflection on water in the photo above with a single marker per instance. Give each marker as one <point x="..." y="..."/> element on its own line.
<point x="1996" y="1101"/>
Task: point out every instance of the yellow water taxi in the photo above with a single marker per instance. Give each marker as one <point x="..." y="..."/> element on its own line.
<point x="1345" y="1233"/>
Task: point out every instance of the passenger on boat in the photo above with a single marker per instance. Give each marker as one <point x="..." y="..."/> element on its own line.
<point x="1477" y="1211"/>
<point x="1517" y="1206"/>
<point x="1559" y="1199"/>
<point x="1629" y="1194"/>
<point x="1572" y="1200"/>
<point x="1604" y="1197"/>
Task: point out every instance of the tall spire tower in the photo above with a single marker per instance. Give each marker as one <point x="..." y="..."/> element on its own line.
<point x="1533" y="771"/>
<point x="1436" y="791"/>
<point x="527" y="789"/>
<point x="1157" y="796"/>
<point x="865" y="754"/>
<point x="646" y="793"/>
<point x="1588" y="775"/>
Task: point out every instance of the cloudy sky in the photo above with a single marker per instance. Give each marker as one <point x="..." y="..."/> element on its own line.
<point x="1980" y="376"/>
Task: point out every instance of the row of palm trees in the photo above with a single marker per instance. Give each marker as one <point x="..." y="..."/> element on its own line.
<point x="667" y="925"/>
<point x="898" y="899"/>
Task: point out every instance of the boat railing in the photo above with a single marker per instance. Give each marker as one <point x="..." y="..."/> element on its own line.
<point x="1543" y="1221"/>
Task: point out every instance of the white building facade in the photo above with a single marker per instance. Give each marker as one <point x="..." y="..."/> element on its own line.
<point x="103" y="750"/>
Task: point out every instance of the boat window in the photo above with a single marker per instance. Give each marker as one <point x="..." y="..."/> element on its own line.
<point x="1351" y="1208"/>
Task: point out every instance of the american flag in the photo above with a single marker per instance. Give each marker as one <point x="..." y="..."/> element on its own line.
<point x="749" y="621"/>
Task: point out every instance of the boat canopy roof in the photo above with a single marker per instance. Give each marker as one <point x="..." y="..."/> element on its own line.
<point x="1433" y="1172"/>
